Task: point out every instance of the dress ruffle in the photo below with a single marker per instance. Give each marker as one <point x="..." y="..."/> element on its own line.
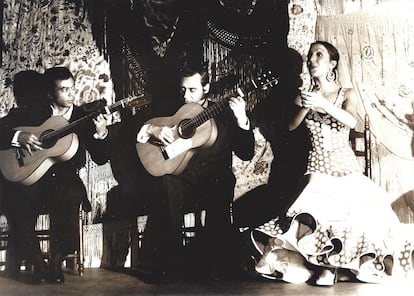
<point x="353" y="229"/>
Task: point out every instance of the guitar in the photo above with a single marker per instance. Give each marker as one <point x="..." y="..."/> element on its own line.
<point x="58" y="141"/>
<point x="194" y="128"/>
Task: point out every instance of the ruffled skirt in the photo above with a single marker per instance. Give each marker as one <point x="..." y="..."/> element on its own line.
<point x="336" y="222"/>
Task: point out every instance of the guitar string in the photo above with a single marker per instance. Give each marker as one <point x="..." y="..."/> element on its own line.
<point x="206" y="114"/>
<point x="215" y="109"/>
<point x="209" y="113"/>
<point x="64" y="129"/>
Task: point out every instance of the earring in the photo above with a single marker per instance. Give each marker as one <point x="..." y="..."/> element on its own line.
<point x="330" y="76"/>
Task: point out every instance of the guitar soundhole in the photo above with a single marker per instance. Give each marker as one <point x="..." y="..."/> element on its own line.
<point x="47" y="142"/>
<point x="186" y="129"/>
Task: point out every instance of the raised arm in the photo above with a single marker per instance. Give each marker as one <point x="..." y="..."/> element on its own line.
<point x="345" y="113"/>
<point x="299" y="113"/>
<point x="315" y="100"/>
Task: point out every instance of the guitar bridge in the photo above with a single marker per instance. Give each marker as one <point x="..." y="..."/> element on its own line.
<point x="19" y="156"/>
<point x="164" y="152"/>
<point x="161" y="146"/>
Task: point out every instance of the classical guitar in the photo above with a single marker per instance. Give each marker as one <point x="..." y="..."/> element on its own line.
<point x="58" y="141"/>
<point x="194" y="128"/>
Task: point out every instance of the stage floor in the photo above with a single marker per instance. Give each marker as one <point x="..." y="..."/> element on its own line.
<point x="98" y="281"/>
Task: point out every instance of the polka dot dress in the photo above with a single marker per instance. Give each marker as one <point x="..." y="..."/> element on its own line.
<point x="341" y="219"/>
<point x="331" y="153"/>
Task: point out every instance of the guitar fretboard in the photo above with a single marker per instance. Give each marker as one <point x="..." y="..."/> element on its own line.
<point x="220" y="105"/>
<point x="67" y="129"/>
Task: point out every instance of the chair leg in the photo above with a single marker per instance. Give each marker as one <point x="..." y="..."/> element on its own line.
<point x="80" y="253"/>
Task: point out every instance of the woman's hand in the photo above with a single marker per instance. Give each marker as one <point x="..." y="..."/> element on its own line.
<point x="346" y="115"/>
<point x="313" y="100"/>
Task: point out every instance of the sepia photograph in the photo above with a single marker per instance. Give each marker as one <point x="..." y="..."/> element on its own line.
<point x="207" y="147"/>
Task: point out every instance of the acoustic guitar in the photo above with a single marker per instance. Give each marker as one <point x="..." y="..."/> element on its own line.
<point x="59" y="144"/>
<point x="194" y="128"/>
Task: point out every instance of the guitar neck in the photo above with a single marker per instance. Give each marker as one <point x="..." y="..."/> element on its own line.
<point x="220" y="105"/>
<point x="67" y="129"/>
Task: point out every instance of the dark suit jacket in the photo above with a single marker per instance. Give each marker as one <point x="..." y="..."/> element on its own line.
<point x="210" y="168"/>
<point x="36" y="116"/>
<point x="60" y="190"/>
<point x="215" y="162"/>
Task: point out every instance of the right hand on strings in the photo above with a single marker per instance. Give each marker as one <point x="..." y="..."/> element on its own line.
<point x="163" y="133"/>
<point x="29" y="141"/>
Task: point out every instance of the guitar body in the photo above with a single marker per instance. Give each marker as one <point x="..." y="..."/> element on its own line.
<point x="152" y="155"/>
<point x="59" y="143"/>
<point x="33" y="167"/>
<point x="160" y="160"/>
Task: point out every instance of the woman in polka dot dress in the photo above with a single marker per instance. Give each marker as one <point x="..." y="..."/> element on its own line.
<point x="341" y="220"/>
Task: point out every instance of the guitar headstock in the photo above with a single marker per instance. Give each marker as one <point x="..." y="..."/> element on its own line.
<point x="135" y="101"/>
<point x="265" y="80"/>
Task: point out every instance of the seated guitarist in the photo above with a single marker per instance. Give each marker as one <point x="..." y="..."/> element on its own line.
<point x="59" y="190"/>
<point x="207" y="177"/>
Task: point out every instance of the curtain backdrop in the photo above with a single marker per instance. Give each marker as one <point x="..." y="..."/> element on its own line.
<point x="41" y="34"/>
<point x="377" y="51"/>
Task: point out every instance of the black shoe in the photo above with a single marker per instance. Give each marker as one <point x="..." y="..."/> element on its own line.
<point x="56" y="275"/>
<point x="150" y="275"/>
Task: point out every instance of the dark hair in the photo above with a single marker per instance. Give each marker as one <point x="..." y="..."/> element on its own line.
<point x="332" y="51"/>
<point x="28" y="88"/>
<point x="189" y="70"/>
<point x="54" y="74"/>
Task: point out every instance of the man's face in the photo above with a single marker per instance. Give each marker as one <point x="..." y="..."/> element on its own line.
<point x="63" y="94"/>
<point x="192" y="89"/>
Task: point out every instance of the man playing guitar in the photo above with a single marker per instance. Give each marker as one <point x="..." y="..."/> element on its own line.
<point x="205" y="176"/>
<point x="59" y="190"/>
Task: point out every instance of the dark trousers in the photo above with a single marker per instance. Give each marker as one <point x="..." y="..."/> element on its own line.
<point x="162" y="243"/>
<point x="59" y="195"/>
<point x="266" y="202"/>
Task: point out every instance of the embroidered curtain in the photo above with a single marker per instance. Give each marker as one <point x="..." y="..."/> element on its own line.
<point x="41" y="34"/>
<point x="377" y="51"/>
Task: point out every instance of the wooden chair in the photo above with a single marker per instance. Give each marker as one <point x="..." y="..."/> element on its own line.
<point x="7" y="260"/>
<point x="193" y="222"/>
<point x="74" y="261"/>
<point x="4" y="238"/>
<point x="363" y="149"/>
